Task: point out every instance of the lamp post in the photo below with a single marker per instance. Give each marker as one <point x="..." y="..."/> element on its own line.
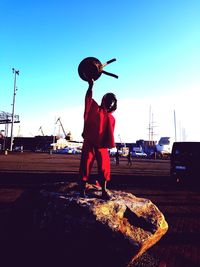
<point x="16" y="72"/>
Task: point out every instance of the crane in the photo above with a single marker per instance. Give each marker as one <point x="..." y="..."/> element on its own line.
<point x="40" y="129"/>
<point x="124" y="149"/>
<point x="61" y="125"/>
<point x="68" y="136"/>
<point x="122" y="144"/>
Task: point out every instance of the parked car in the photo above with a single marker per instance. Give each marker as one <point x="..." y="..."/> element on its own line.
<point x="113" y="151"/>
<point x="18" y="148"/>
<point x="66" y="150"/>
<point x="139" y="154"/>
<point x="185" y="161"/>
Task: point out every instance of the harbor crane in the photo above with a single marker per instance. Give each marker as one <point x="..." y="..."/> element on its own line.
<point x="61" y="125"/>
<point x="124" y="149"/>
<point x="40" y="129"/>
<point x="66" y="135"/>
<point x="122" y="144"/>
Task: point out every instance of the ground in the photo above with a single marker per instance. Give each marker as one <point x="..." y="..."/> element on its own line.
<point x="146" y="178"/>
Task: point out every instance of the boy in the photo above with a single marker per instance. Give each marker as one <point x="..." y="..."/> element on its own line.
<point x="98" y="134"/>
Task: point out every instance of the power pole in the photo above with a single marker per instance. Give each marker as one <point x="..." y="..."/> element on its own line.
<point x="16" y="72"/>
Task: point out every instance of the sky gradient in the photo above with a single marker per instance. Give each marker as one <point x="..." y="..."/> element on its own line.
<point x="157" y="47"/>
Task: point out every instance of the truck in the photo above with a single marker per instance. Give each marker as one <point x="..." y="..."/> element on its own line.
<point x="185" y="163"/>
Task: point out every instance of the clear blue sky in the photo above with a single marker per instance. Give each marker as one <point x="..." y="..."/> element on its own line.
<point x="156" y="44"/>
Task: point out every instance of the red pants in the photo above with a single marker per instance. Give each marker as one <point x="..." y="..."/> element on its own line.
<point x="89" y="153"/>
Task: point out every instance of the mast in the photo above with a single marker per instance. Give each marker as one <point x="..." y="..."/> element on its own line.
<point x="175" y="126"/>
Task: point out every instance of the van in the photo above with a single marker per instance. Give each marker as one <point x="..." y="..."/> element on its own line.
<point x="164" y="147"/>
<point x="185" y="162"/>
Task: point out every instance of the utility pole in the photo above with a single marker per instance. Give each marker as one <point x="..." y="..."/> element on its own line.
<point x="16" y="72"/>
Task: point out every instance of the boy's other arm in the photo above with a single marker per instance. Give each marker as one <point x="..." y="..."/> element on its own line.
<point x="89" y="90"/>
<point x="88" y="98"/>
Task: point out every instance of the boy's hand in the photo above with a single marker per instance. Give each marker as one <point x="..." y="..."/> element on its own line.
<point x="91" y="83"/>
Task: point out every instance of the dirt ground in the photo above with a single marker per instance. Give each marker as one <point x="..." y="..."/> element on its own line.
<point x="146" y="178"/>
<point x="68" y="163"/>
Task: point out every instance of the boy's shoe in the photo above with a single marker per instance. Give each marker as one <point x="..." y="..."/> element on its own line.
<point x="97" y="185"/>
<point x="105" y="195"/>
<point x="82" y="193"/>
<point x="82" y="189"/>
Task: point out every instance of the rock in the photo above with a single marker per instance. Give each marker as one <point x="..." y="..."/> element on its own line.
<point x="90" y="231"/>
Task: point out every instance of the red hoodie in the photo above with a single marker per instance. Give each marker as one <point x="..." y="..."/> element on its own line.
<point x="98" y="124"/>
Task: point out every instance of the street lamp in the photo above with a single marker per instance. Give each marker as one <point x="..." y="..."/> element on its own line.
<point x="16" y="72"/>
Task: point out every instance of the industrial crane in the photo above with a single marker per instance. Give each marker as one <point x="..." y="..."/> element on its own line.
<point x="122" y="144"/>
<point x="124" y="149"/>
<point x="61" y="125"/>
<point x="67" y="136"/>
<point x="40" y="129"/>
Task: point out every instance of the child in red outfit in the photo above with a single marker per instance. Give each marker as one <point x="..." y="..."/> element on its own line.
<point x="98" y="134"/>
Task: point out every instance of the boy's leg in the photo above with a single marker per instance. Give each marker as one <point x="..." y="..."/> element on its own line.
<point x="87" y="160"/>
<point x="103" y="162"/>
<point x="105" y="194"/>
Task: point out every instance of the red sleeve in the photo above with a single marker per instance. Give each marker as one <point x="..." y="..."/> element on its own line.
<point x="111" y="128"/>
<point x="107" y="137"/>
<point x="88" y="102"/>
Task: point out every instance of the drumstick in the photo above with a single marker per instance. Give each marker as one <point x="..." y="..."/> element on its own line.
<point x="110" y="74"/>
<point x="108" y="62"/>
